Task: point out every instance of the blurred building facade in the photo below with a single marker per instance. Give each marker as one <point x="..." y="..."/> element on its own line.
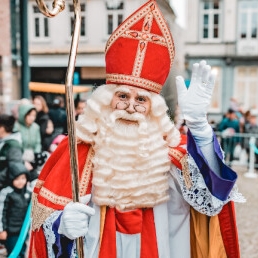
<point x="13" y="53"/>
<point x="9" y="72"/>
<point x="50" y="40"/>
<point x="225" y="32"/>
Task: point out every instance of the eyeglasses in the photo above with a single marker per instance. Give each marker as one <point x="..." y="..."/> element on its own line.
<point x="122" y="105"/>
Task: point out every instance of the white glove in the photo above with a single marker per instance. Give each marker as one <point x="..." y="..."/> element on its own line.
<point x="194" y="101"/>
<point x="75" y="217"/>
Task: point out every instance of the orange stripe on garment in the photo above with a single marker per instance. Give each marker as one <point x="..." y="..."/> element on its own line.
<point x="206" y="239"/>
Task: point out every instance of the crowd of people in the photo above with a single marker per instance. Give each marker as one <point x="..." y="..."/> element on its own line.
<point x="28" y="136"/>
<point x="236" y="128"/>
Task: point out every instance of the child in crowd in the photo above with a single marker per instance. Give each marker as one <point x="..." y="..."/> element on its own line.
<point x="45" y="123"/>
<point x="30" y="131"/>
<point x="14" y="202"/>
<point x="30" y="134"/>
<point x="10" y="151"/>
<point x="251" y="127"/>
<point x="56" y="142"/>
<point x="10" y="146"/>
<point x="79" y="105"/>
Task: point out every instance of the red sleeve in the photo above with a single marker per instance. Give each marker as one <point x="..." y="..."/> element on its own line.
<point x="54" y="185"/>
<point x="177" y="153"/>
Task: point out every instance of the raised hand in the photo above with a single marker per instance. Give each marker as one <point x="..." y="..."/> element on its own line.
<point x="194" y="101"/>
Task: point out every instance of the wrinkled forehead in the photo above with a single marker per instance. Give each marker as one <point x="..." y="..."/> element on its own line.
<point x="133" y="90"/>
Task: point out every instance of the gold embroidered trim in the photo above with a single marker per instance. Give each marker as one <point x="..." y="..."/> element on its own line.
<point x="54" y="198"/>
<point x="142" y="46"/>
<point x="166" y="32"/>
<point x="176" y="154"/>
<point x="149" y="37"/>
<point x="182" y="158"/>
<point x="141" y="82"/>
<point x="39" y="213"/>
<point x="186" y="171"/>
<point x="86" y="173"/>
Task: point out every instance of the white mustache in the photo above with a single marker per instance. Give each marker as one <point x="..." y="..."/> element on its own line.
<point x="122" y="114"/>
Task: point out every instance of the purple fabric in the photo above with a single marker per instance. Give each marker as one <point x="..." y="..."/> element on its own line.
<point x="219" y="186"/>
<point x="63" y="245"/>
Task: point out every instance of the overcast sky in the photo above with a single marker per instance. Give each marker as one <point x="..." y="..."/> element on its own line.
<point x="179" y="6"/>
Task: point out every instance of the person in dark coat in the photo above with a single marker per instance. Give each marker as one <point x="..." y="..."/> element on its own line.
<point x="79" y="105"/>
<point x="251" y="127"/>
<point x="10" y="146"/>
<point x="43" y="120"/>
<point x="228" y="127"/>
<point x="14" y="202"/>
<point x="58" y="115"/>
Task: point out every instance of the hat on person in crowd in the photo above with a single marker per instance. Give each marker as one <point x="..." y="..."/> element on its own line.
<point x="16" y="169"/>
<point x="7" y="121"/>
<point x="56" y="102"/>
<point x="140" y="52"/>
<point x="231" y="111"/>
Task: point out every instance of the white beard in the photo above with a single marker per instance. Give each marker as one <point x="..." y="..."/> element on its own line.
<point x="131" y="162"/>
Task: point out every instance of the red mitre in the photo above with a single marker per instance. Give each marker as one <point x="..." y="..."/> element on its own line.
<point x="141" y="50"/>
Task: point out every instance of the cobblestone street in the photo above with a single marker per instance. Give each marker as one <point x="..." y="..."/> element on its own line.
<point x="247" y="214"/>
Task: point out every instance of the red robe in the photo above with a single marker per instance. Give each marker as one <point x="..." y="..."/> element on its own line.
<point x="49" y="196"/>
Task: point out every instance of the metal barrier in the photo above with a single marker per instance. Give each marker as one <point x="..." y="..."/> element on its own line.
<point x="251" y="173"/>
<point x="248" y="154"/>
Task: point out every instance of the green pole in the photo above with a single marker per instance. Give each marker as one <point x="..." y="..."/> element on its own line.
<point x="25" y="70"/>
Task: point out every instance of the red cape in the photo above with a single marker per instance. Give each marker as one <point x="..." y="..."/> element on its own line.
<point x="50" y="196"/>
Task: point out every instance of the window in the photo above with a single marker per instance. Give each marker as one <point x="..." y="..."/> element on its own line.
<point x="248" y="23"/>
<point x="211" y="19"/>
<point x="83" y="19"/>
<point x="114" y="15"/>
<point x="246" y="86"/>
<point x="41" y="24"/>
